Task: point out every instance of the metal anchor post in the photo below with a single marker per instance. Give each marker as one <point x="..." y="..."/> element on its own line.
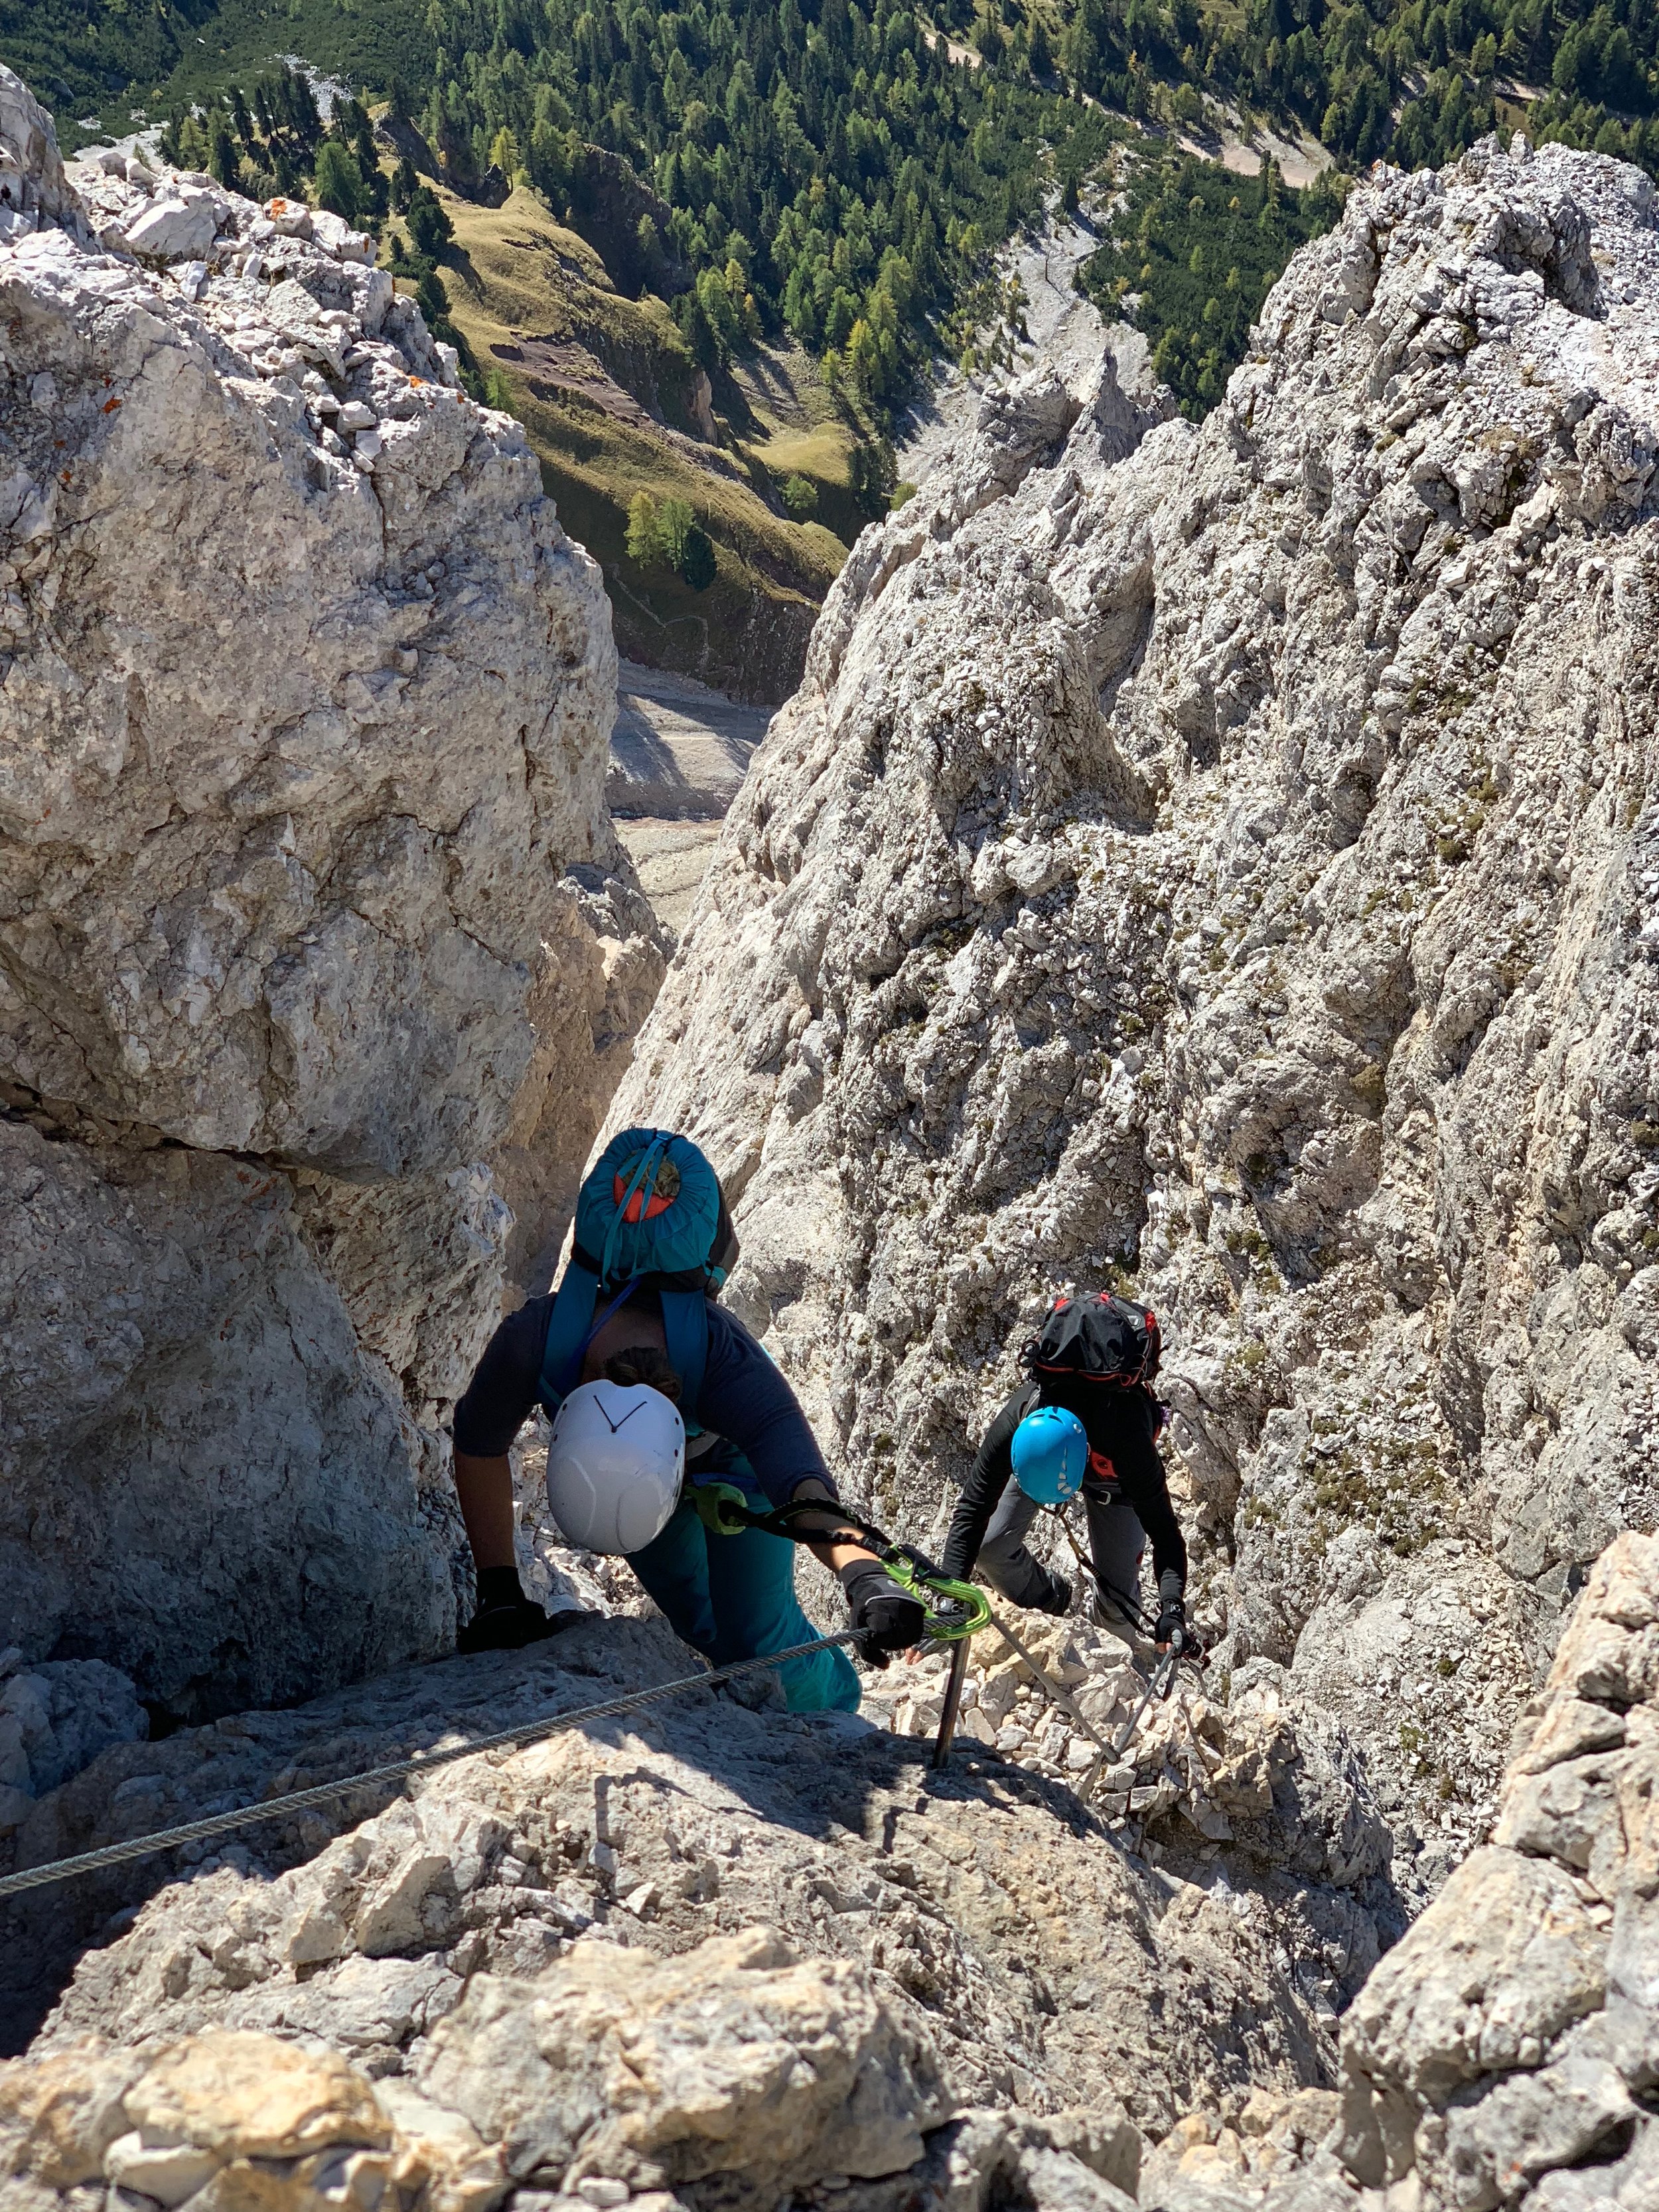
<point x="947" y="1719"/>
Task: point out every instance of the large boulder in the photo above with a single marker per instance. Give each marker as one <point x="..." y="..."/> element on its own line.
<point x="759" y="2066"/>
<point x="318" y="959"/>
<point x="1506" y="2052"/>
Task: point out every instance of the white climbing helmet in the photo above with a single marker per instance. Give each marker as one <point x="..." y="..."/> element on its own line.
<point x="614" y="1465"/>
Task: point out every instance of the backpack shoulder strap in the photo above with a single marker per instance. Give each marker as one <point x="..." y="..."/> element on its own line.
<point x="568" y="1327"/>
<point x="685" y="1328"/>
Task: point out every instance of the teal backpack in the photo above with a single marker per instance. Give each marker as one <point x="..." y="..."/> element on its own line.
<point x="650" y="1216"/>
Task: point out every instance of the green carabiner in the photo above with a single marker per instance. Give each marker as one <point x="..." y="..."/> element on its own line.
<point x="976" y="1606"/>
<point x="725" y="1511"/>
<point x="713" y="1501"/>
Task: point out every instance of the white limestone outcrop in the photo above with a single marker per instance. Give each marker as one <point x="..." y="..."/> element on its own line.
<point x="1222" y="861"/>
<point x="976" y="1943"/>
<point x="1506" y="2052"/>
<point x="318" y="959"/>
<point x="712" y="1957"/>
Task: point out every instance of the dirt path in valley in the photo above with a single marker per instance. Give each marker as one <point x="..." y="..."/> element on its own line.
<point x="679" y="752"/>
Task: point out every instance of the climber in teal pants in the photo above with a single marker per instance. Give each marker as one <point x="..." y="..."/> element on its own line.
<point x="637" y="1312"/>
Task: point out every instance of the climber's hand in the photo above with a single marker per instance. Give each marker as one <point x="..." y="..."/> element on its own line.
<point x="1172" y="1622"/>
<point x="1060" y="1594"/>
<point x="506" y="1619"/>
<point x="888" y="1619"/>
<point x="506" y="1627"/>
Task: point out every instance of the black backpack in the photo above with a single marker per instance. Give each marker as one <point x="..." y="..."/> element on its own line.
<point x="1097" y="1338"/>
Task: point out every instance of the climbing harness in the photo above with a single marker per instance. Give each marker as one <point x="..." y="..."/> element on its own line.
<point x="725" y="1511"/>
<point x="297" y="1800"/>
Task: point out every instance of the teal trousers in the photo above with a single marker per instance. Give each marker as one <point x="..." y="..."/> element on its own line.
<point x="733" y="1597"/>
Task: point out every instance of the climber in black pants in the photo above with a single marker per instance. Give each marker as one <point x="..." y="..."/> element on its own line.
<point x="1033" y="1454"/>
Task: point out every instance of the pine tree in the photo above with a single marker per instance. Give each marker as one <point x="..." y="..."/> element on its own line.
<point x="641" y="542"/>
<point x="696" y="562"/>
<point x="223" y="161"/>
<point x="339" y="182"/>
<point x="430" y="228"/>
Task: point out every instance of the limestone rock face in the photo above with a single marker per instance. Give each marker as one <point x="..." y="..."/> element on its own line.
<point x="711" y="1956"/>
<point x="562" y="1946"/>
<point x="317" y="959"/>
<point x="54" y="1720"/>
<point x="33" y="190"/>
<point x="1217" y="855"/>
<point x="1274" y="1781"/>
<point x="1506" y="2051"/>
<point x="1221" y="861"/>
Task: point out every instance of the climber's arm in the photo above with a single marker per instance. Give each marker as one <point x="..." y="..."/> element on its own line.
<point x="496" y="1406"/>
<point x="747" y="1399"/>
<point x="834" y="1556"/>
<point x="484" y="1483"/>
<point x="992" y="1472"/>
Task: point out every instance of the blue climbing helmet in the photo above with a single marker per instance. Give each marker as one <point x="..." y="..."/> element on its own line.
<point x="650" y="1215"/>
<point x="1050" y="1452"/>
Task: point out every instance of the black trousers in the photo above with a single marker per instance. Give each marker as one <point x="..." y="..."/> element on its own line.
<point x="1117" y="1540"/>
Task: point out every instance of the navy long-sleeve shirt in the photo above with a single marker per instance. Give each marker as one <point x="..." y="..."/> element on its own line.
<point x="1122" y="1424"/>
<point x="743" y="1398"/>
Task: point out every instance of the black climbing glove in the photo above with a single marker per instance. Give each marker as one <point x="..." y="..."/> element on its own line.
<point x="1172" y="1611"/>
<point x="889" y="1622"/>
<point x="1173" y="1617"/>
<point x="1060" y="1594"/>
<point x="506" y="1619"/>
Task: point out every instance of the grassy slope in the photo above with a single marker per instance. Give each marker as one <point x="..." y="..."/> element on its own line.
<point x="528" y="278"/>
<point x="802" y="436"/>
<point x="525" y="292"/>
